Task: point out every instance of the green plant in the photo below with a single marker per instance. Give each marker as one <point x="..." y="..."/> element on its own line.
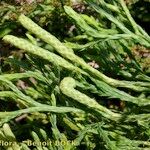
<point x="64" y="98"/>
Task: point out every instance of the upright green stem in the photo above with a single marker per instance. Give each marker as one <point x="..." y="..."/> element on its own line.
<point x="133" y="23"/>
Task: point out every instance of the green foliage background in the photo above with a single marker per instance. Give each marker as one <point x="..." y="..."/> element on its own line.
<point x="78" y="71"/>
